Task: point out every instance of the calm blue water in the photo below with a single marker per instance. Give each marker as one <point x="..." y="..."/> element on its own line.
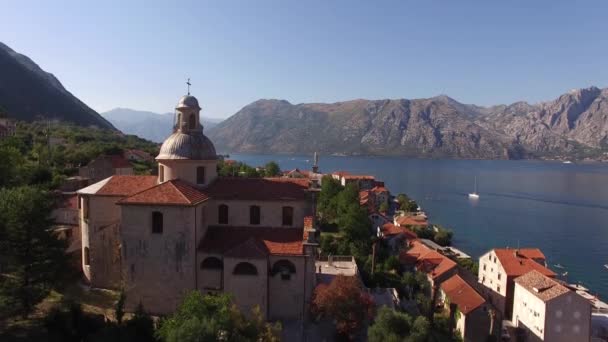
<point x="560" y="208"/>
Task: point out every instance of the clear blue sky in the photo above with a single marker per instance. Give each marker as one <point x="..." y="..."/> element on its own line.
<point x="138" y="55"/>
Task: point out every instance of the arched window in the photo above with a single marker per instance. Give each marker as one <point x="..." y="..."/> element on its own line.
<point x="212" y="263"/>
<point x="222" y="214"/>
<point x="161" y="173"/>
<point x="192" y="121"/>
<point x="87" y="257"/>
<point x="254" y="214"/>
<point x="157" y="222"/>
<point x="285" y="268"/>
<point x="245" y="268"/>
<point x="287" y="216"/>
<point x="200" y="175"/>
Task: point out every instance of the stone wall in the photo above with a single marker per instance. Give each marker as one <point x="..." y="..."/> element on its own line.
<point x="271" y="214"/>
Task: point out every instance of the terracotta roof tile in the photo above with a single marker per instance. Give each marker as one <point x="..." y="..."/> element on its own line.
<point x="411" y="221"/>
<point x="427" y="260"/>
<point x="389" y="229"/>
<point x="541" y="286"/>
<point x="462" y="294"/>
<point x="516" y="263"/>
<point x="126" y="185"/>
<point x="358" y="177"/>
<point x="379" y="189"/>
<point x="260" y="189"/>
<point x="277" y="241"/>
<point x="173" y="192"/>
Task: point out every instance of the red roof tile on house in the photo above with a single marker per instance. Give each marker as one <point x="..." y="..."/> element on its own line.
<point x="126" y="185"/>
<point x="462" y="294"/>
<point x="173" y="192"/>
<point x="379" y="189"/>
<point x="389" y="229"/>
<point x="517" y="263"/>
<point x="411" y="221"/>
<point x="276" y="241"/>
<point x="427" y="260"/>
<point x="541" y="286"/>
<point x="260" y="189"/>
<point x="358" y="177"/>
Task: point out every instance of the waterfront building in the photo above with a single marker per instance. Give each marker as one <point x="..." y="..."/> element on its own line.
<point x="409" y="221"/>
<point x="435" y="265"/>
<point x="550" y="311"/>
<point x="395" y="237"/>
<point x="158" y="237"/>
<point x="469" y="312"/>
<point x="498" y="269"/>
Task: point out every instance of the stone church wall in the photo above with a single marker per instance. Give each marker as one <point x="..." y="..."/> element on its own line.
<point x="271" y="213"/>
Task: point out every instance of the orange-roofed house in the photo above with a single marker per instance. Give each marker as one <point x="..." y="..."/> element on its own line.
<point x="499" y="267"/>
<point x="395" y="236"/>
<point x="159" y="237"/>
<point x="549" y="311"/>
<point x="409" y="221"/>
<point x="364" y="182"/>
<point x="467" y="309"/>
<point x="435" y="265"/>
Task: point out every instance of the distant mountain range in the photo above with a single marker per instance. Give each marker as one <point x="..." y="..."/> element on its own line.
<point x="29" y="93"/>
<point x="575" y="125"/>
<point x="148" y="125"/>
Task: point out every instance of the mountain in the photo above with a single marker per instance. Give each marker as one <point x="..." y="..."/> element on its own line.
<point x="29" y="93"/>
<point x="574" y="125"/>
<point x="152" y="126"/>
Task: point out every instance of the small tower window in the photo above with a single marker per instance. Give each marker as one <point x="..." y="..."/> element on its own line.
<point x="222" y="214"/>
<point x="157" y="222"/>
<point x="192" y="121"/>
<point x="254" y="214"/>
<point x="287" y="216"/>
<point x="161" y="173"/>
<point x="200" y="175"/>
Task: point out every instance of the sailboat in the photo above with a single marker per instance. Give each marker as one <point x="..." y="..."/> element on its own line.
<point x="606" y="265"/>
<point x="474" y="194"/>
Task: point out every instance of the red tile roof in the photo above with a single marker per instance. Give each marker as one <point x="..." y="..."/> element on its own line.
<point x="516" y="262"/>
<point x="126" y="185"/>
<point x="379" y="189"/>
<point x="462" y="294"/>
<point x="341" y="173"/>
<point x="541" y="286"/>
<point x="389" y="229"/>
<point x="358" y="177"/>
<point x="259" y="189"/>
<point x="411" y="221"/>
<point x="427" y="260"/>
<point x="276" y="241"/>
<point x="173" y="192"/>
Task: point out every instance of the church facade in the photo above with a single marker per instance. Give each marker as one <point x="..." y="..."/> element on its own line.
<point x="159" y="237"/>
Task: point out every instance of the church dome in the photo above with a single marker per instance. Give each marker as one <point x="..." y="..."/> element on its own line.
<point x="187" y="146"/>
<point x="188" y="101"/>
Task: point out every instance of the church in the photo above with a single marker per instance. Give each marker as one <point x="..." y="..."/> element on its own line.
<point x="159" y="237"/>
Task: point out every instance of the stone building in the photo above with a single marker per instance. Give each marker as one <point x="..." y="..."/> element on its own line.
<point x="158" y="237"/>
<point x="105" y="166"/>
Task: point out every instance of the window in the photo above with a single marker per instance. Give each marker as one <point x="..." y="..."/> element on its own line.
<point x="287" y="216"/>
<point x="157" y="222"/>
<point x="192" y="121"/>
<point x="254" y="214"/>
<point x="87" y="257"/>
<point x="161" y="173"/>
<point x="498" y="288"/>
<point x="484" y="267"/>
<point x="483" y="279"/>
<point x="285" y="268"/>
<point x="498" y="276"/>
<point x="222" y="214"/>
<point x="200" y="175"/>
<point x="212" y="263"/>
<point x="245" y="268"/>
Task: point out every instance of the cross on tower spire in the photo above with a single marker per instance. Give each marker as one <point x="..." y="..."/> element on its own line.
<point x="189" y="84"/>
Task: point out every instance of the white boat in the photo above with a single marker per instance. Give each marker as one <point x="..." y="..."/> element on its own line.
<point x="474" y="194"/>
<point x="558" y="266"/>
<point x="567" y="162"/>
<point x="606" y="265"/>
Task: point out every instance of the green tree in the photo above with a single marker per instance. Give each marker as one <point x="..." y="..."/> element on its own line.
<point x="383" y="207"/>
<point x="271" y="169"/>
<point x="443" y="237"/>
<point x="11" y="160"/>
<point x="213" y="318"/>
<point x="389" y="326"/>
<point x="420" y="329"/>
<point x="35" y="258"/>
<point x="327" y="203"/>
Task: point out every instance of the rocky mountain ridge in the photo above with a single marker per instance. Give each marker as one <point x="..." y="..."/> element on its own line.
<point x="575" y="125"/>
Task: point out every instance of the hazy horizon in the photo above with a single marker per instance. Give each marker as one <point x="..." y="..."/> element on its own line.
<point x="139" y="56"/>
